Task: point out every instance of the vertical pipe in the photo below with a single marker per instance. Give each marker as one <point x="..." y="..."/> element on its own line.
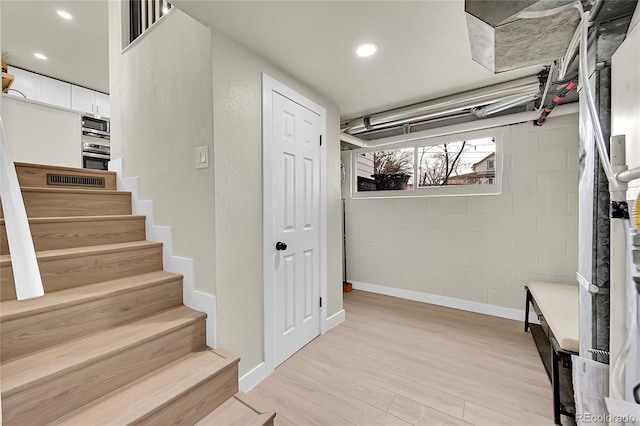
<point x="344" y="241"/>
<point x="618" y="271"/>
<point x="346" y="285"/>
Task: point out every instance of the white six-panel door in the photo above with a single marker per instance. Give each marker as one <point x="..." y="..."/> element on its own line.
<point x="296" y="202"/>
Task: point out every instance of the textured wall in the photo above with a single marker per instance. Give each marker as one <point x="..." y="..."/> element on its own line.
<point x="480" y="248"/>
<point x="237" y="110"/>
<point x="161" y="103"/>
<point x="183" y="86"/>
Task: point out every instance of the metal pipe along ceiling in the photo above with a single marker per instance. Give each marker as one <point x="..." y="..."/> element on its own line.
<point x="504" y="104"/>
<point x="443" y="106"/>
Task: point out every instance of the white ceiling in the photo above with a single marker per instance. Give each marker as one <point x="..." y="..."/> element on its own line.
<point x="77" y="50"/>
<point x="424" y="47"/>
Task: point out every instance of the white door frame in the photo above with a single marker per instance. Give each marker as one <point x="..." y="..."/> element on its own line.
<point x="270" y="85"/>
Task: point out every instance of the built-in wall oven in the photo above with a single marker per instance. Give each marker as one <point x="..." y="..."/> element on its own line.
<point x="96" y="140"/>
<point x="95" y="155"/>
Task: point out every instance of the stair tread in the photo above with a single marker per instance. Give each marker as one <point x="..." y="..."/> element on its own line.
<point x="47" y="255"/>
<point x="58" y="219"/>
<point x="21" y="373"/>
<point x="236" y="411"/>
<point x="14" y="309"/>
<point x="73" y="190"/>
<point x="65" y="168"/>
<point x="152" y="391"/>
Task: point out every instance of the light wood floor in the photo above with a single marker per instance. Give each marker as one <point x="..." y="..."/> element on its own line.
<point x="397" y="362"/>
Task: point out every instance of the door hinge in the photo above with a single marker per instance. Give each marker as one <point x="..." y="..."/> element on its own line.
<point x="320" y="140"/>
<point x="321" y="302"/>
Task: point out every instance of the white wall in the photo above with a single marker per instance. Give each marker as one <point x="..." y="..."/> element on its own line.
<point x="161" y="102"/>
<point x="479" y="248"/>
<point x="182" y="86"/>
<point x="237" y="109"/>
<point x="42" y="135"/>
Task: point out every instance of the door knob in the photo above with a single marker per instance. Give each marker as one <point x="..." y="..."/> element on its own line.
<point x="281" y="246"/>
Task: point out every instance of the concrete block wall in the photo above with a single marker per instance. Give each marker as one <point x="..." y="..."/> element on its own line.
<point x="479" y="248"/>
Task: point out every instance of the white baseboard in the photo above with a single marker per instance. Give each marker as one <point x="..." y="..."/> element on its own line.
<point x="191" y="297"/>
<point x="334" y="320"/>
<point x="253" y="377"/>
<point x="450" y="302"/>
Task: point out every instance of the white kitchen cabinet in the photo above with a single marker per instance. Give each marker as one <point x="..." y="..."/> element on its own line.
<point x="90" y="101"/>
<point x="27" y="83"/>
<point x="36" y="87"/>
<point x="56" y="92"/>
<point x="102" y="105"/>
<point x="82" y="99"/>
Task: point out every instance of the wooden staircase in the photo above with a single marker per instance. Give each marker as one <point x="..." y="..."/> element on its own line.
<point x="110" y="342"/>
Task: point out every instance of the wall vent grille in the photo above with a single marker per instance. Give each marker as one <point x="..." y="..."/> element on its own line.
<point x="68" y="180"/>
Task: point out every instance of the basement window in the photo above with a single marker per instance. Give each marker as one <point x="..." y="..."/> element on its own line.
<point x="453" y="165"/>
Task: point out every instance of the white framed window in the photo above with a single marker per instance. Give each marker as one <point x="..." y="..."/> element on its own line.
<point x="459" y="164"/>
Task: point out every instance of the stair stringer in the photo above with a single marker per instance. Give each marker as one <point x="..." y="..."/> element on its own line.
<point x="195" y="299"/>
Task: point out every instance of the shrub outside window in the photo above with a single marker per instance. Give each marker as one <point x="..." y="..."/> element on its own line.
<point x="387" y="170"/>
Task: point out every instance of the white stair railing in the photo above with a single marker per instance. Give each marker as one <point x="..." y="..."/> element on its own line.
<point x="143" y="14"/>
<point x="26" y="273"/>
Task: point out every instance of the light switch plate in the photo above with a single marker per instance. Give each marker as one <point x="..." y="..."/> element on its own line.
<point x="202" y="157"/>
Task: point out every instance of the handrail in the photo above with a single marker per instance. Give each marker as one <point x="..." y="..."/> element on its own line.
<point x="26" y="273"/>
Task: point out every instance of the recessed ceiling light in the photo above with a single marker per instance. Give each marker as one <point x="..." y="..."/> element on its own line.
<point x="65" y="15"/>
<point x="40" y="56"/>
<point x="366" y="49"/>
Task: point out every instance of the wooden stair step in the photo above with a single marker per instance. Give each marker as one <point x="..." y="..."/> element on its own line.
<point x="238" y="411"/>
<point x="49" y="384"/>
<point x="54" y="202"/>
<point x="31" y="325"/>
<point x="73" y="267"/>
<point x="180" y="393"/>
<point x="51" y="233"/>
<point x="36" y="175"/>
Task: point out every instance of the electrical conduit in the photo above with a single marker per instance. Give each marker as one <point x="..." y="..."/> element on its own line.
<point x="559" y="97"/>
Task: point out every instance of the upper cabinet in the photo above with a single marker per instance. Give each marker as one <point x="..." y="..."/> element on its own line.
<point x="82" y="99"/>
<point x="85" y="100"/>
<point x="25" y="83"/>
<point x="102" y="104"/>
<point x="56" y="92"/>
<point x="47" y="90"/>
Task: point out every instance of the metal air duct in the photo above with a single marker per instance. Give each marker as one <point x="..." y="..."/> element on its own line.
<point x="502" y="41"/>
